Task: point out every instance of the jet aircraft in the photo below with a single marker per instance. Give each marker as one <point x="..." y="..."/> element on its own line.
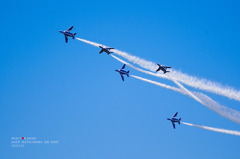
<point x="174" y="119"/>
<point x="163" y="68"/>
<point x="123" y="72"/>
<point x="67" y="33"/>
<point x="107" y="50"/>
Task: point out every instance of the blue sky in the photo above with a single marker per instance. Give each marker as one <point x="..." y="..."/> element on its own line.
<point x="70" y="93"/>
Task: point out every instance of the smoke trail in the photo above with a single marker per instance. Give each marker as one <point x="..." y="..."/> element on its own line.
<point x="224" y="111"/>
<point x="192" y="81"/>
<point x="159" y="84"/>
<point x="90" y="42"/>
<point x="186" y="90"/>
<point x="183" y="91"/>
<point x="138" y="69"/>
<point x="199" y="97"/>
<point x="206" y="85"/>
<point x="231" y="132"/>
<point x="189" y="80"/>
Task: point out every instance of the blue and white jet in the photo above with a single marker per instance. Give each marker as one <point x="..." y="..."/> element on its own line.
<point x="107" y="50"/>
<point x="163" y="68"/>
<point x="67" y="33"/>
<point x="174" y="119"/>
<point x="123" y="72"/>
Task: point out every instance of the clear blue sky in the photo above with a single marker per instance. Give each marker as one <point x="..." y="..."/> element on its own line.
<point x="70" y="93"/>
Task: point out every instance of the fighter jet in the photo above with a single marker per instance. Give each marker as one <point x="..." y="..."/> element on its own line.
<point x="174" y="119"/>
<point x="107" y="50"/>
<point x="163" y="68"/>
<point x="67" y="33"/>
<point x="123" y="72"/>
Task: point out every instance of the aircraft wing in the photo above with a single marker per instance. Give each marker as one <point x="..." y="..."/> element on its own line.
<point x="123" y="67"/>
<point x="158" y="69"/>
<point x="167" y="67"/>
<point x="122" y="77"/>
<point x="69" y="29"/>
<point x="101" y="51"/>
<point x="173" y="125"/>
<point x="66" y="39"/>
<point x="175" y="114"/>
<point x="109" y="48"/>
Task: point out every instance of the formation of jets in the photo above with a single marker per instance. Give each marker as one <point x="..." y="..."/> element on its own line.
<point x="67" y="33"/>
<point x="174" y="120"/>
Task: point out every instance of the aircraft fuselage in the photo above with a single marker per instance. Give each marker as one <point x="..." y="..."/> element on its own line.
<point x="66" y="33"/>
<point x="122" y="72"/>
<point x="163" y="69"/>
<point x="173" y="119"/>
<point x="106" y="50"/>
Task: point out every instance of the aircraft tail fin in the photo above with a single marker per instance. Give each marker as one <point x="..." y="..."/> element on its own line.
<point x="179" y="120"/>
<point x="128" y="73"/>
<point x="166" y="72"/>
<point x="74" y="35"/>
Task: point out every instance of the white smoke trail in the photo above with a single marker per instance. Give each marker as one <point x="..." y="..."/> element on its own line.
<point x="90" y="42"/>
<point x="224" y="111"/>
<point x="159" y="84"/>
<point x="202" y="98"/>
<point x="192" y="81"/>
<point x="231" y="132"/>
<point x="138" y="69"/>
<point x="195" y="82"/>
<point x="186" y="90"/>
<point x="199" y="97"/>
